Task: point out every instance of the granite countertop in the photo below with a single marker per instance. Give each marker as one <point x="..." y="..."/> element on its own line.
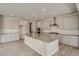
<point x="47" y="37"/>
<point x="69" y="35"/>
<point x="76" y="35"/>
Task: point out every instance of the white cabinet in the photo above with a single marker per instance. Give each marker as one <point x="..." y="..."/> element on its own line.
<point x="9" y="37"/>
<point x="66" y="40"/>
<point x="9" y="29"/>
<point x="46" y="24"/>
<point x="42" y="47"/>
<point x="74" y="41"/>
<point x="1" y="23"/>
<point x="69" y="40"/>
<point x="10" y="23"/>
<point x="60" y="38"/>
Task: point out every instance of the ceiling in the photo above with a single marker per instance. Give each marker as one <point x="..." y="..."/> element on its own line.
<point x="26" y="10"/>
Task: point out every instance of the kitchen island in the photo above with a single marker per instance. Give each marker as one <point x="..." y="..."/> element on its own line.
<point x="45" y="44"/>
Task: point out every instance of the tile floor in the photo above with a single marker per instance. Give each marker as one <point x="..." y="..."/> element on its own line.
<point x="18" y="48"/>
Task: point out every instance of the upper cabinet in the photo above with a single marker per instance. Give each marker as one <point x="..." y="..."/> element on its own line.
<point x="1" y="23"/>
<point x="77" y="5"/>
<point x="9" y="25"/>
<point x="69" y="22"/>
<point x="23" y="22"/>
<point x="46" y="24"/>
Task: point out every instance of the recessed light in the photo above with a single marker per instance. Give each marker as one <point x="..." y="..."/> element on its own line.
<point x="27" y="18"/>
<point x="33" y="14"/>
<point x="44" y="9"/>
<point x="12" y="14"/>
<point x="54" y="14"/>
<point x="43" y="17"/>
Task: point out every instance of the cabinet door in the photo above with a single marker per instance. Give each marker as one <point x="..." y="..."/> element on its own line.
<point x="9" y="37"/>
<point x="3" y="38"/>
<point x="74" y="41"/>
<point x="60" y="38"/>
<point x="71" y="40"/>
<point x="66" y="40"/>
<point x="45" y="24"/>
<point x="10" y="25"/>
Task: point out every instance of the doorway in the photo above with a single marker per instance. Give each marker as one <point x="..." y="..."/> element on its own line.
<point x="30" y="28"/>
<point x="22" y="31"/>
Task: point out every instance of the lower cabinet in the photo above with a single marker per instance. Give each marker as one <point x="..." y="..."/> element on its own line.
<point x="6" y="37"/>
<point x="70" y="40"/>
<point x="66" y="40"/>
<point x="60" y="39"/>
<point x="74" y="41"/>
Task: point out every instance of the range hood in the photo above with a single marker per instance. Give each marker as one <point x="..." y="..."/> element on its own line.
<point x="54" y="24"/>
<point x="54" y="19"/>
